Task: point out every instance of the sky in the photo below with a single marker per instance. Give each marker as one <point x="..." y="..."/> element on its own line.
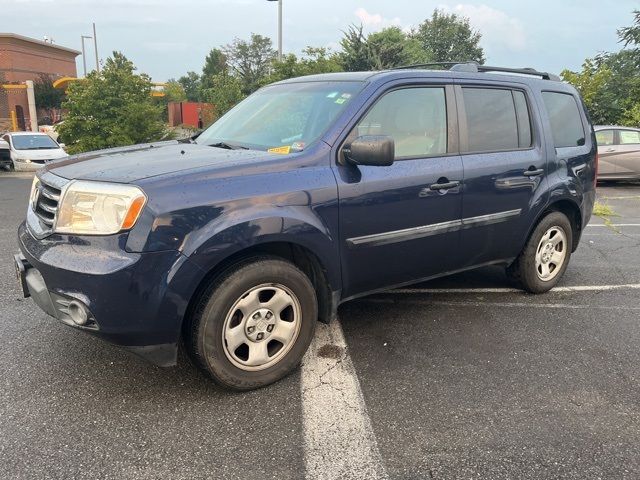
<point x="168" y="38"/>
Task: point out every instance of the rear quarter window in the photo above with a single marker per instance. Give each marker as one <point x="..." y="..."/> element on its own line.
<point x="629" y="137"/>
<point x="565" y="119"/>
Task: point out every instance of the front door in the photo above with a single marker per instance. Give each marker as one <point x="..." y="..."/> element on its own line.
<point x="400" y="223"/>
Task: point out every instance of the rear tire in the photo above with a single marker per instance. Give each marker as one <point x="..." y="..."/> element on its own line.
<point x="545" y="256"/>
<point x="254" y="323"/>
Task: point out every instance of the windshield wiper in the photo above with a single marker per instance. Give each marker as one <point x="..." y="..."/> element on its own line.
<point x="228" y="146"/>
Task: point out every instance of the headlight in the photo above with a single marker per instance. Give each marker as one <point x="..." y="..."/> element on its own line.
<point x="33" y="196"/>
<point x="96" y="208"/>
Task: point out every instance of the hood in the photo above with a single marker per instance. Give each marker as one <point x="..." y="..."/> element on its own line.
<point x="42" y="154"/>
<point x="130" y="164"/>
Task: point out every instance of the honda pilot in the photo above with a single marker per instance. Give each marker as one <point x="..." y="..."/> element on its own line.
<point x="311" y="192"/>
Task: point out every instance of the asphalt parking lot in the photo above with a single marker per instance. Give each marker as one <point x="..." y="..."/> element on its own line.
<point x="458" y="378"/>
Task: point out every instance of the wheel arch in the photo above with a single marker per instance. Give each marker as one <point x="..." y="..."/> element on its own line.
<point x="328" y="294"/>
<point x="571" y="210"/>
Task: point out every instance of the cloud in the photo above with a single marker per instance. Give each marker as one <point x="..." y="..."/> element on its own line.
<point x="375" y="21"/>
<point x="499" y="30"/>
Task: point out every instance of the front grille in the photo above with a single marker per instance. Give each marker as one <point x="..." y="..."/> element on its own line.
<point x="46" y="205"/>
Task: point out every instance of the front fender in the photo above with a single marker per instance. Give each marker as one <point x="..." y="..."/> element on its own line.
<point x="231" y="234"/>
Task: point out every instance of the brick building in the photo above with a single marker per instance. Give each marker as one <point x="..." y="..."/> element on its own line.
<point x="21" y="59"/>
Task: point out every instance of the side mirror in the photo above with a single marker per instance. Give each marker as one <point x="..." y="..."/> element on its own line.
<point x="62" y="145"/>
<point x="374" y="150"/>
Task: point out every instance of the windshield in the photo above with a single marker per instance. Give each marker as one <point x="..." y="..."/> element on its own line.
<point x="33" y="142"/>
<point x="281" y="118"/>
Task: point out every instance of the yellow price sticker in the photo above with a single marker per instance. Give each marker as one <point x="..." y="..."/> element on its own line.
<point x="281" y="150"/>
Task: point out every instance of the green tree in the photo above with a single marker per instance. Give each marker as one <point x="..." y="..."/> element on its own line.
<point x="174" y="91"/>
<point x="224" y="93"/>
<point x="391" y="47"/>
<point x="388" y="48"/>
<point x="191" y="83"/>
<point x="356" y="53"/>
<point x="48" y="98"/>
<point x="592" y="83"/>
<point x="631" y="35"/>
<point x="314" y="60"/>
<point x="111" y="108"/>
<point x="610" y="82"/>
<point x="214" y="64"/>
<point x="250" y="60"/>
<point x="449" y="37"/>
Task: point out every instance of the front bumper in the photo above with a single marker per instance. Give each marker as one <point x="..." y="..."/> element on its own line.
<point x="27" y="166"/>
<point x="134" y="300"/>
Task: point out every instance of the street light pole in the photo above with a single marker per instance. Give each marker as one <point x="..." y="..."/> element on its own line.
<point x="279" y="28"/>
<point x="84" y="57"/>
<point x="95" y="47"/>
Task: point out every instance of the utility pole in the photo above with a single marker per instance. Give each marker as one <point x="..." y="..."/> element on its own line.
<point x="33" y="112"/>
<point x="279" y="28"/>
<point x="95" y="47"/>
<point x="84" y="57"/>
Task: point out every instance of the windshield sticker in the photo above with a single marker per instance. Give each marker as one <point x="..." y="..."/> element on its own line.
<point x="332" y="95"/>
<point x="297" y="146"/>
<point x="346" y="95"/>
<point x="340" y="101"/>
<point x="281" y="150"/>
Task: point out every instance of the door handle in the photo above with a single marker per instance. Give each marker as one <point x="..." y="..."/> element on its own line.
<point x="444" y="186"/>
<point x="533" y="173"/>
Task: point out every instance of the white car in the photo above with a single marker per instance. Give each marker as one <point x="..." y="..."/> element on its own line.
<point x="29" y="150"/>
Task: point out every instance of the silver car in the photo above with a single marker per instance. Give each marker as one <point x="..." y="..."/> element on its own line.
<point x="619" y="152"/>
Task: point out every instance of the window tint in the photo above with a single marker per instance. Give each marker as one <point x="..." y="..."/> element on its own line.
<point x="491" y="119"/>
<point x="565" y="120"/>
<point x="416" y="118"/>
<point x="604" y="137"/>
<point x="629" y="137"/>
<point x="524" y="119"/>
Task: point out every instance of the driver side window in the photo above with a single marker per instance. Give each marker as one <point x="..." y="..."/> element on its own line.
<point x="416" y="119"/>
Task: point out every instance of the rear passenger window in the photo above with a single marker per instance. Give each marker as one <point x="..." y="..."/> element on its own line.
<point x="604" y="137"/>
<point x="416" y="119"/>
<point x="524" y="120"/>
<point x="565" y="119"/>
<point x="497" y="119"/>
<point x="628" y="137"/>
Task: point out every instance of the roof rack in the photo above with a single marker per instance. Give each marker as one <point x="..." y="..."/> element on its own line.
<point x="474" y="67"/>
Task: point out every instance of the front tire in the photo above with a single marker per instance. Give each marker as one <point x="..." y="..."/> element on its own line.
<point x="254" y="323"/>
<point x="545" y="256"/>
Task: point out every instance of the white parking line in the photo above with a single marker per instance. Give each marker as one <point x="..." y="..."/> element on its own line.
<point x="339" y="439"/>
<point x="614" y="225"/>
<point x="570" y="306"/>
<point x="576" y="288"/>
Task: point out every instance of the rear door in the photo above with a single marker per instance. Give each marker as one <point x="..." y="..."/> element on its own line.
<point x="400" y="223"/>
<point x="628" y="157"/>
<point x="505" y="168"/>
<point x="608" y="151"/>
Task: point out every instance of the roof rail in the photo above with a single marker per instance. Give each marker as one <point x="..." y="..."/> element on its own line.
<point x="473" y="67"/>
<point x="426" y="65"/>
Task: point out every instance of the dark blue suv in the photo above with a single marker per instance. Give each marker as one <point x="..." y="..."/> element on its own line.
<point x="309" y="193"/>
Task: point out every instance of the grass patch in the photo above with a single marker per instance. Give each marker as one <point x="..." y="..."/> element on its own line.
<point x="604" y="211"/>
